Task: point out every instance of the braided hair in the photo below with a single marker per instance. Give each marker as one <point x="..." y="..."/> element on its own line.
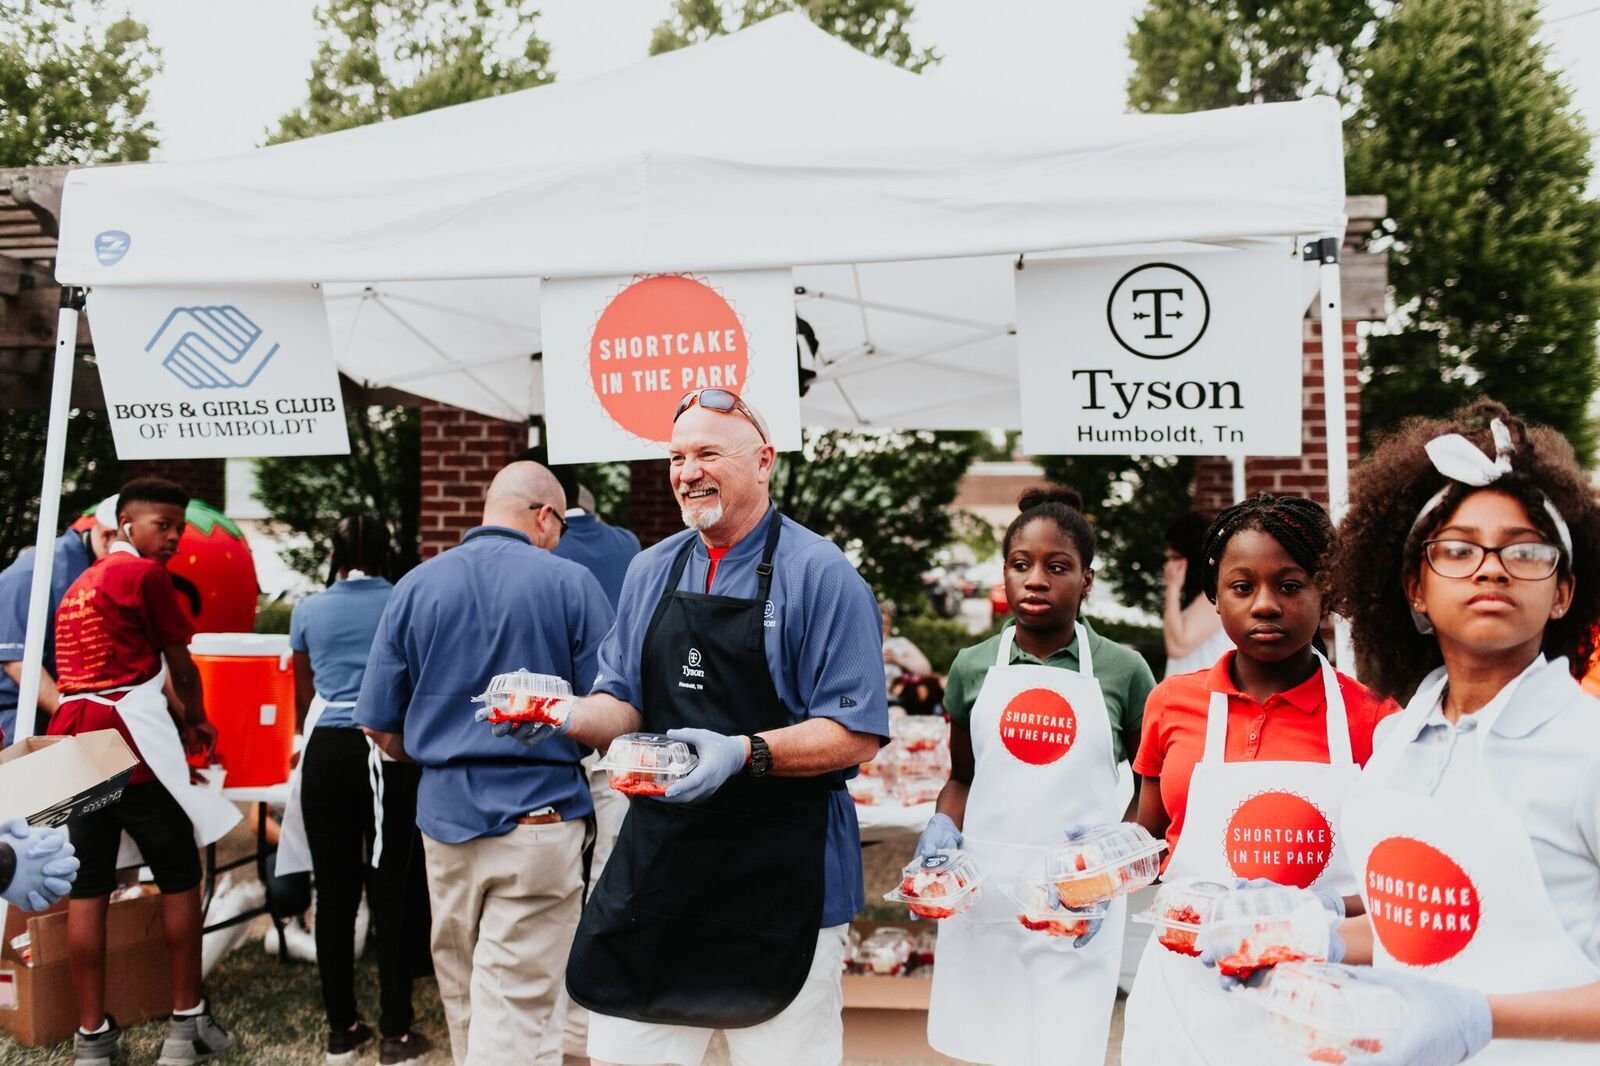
<point x="1062" y="506"/>
<point x="360" y="542"/>
<point x="1299" y="524"/>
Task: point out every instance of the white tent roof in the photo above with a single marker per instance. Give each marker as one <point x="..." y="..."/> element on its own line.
<point x="778" y="146"/>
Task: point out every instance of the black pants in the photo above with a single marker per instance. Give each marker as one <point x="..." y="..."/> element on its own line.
<point x="336" y="800"/>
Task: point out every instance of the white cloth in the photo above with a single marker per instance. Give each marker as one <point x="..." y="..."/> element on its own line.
<point x="1002" y="994"/>
<point x="808" y="1032"/>
<point x="1177" y="1013"/>
<point x="1202" y="658"/>
<point x="1497" y="928"/>
<point x="294" y="851"/>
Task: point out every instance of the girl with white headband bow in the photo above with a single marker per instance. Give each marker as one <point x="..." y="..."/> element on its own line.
<point x="1468" y="568"/>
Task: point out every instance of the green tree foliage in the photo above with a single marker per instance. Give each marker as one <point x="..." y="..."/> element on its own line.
<point x="383" y="59"/>
<point x="882" y="497"/>
<point x="1495" y="257"/>
<point x="879" y="28"/>
<point x="1192" y="55"/>
<point x="90" y="474"/>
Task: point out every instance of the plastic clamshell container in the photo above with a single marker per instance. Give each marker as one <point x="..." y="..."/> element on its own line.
<point x="1253" y="928"/>
<point x="940" y="886"/>
<point x="644" y="764"/>
<point x="1034" y="911"/>
<point x="1319" y="1010"/>
<point x="886" y="951"/>
<point x="915" y="789"/>
<point x="867" y="791"/>
<point x="1180" y="908"/>
<point x="515" y="697"/>
<point x="1106" y="862"/>
<point x="919" y="732"/>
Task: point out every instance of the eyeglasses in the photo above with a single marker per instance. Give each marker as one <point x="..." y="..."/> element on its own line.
<point x="561" y="518"/>
<point x="719" y="400"/>
<point x="1528" y="560"/>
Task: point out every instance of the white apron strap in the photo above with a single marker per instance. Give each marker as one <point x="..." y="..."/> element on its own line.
<point x="1339" y="750"/>
<point x="1002" y="655"/>
<point x="1216" y="728"/>
<point x="375" y="779"/>
<point x="1387" y="754"/>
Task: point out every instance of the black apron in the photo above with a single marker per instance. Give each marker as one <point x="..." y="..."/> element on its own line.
<point x="707" y="913"/>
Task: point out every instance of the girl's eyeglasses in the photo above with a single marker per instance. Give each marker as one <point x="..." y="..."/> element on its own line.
<point x="1528" y="560"/>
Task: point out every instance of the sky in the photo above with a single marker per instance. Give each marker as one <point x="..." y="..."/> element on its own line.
<point x="233" y="67"/>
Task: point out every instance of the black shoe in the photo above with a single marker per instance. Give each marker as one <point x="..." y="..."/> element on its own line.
<point x="408" y="1048"/>
<point x="344" y="1044"/>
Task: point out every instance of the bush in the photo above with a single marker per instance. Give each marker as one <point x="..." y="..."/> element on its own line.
<point x="272" y="616"/>
<point x="1148" y="641"/>
<point x="940" y="638"/>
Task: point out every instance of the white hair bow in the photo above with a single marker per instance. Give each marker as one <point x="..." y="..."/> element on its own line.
<point x="1458" y="459"/>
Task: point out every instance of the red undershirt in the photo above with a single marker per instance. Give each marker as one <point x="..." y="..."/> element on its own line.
<point x="716" y="557"/>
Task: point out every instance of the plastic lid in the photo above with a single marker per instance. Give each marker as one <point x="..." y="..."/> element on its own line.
<point x="1329" y="1008"/>
<point x="649" y="753"/>
<point x="1253" y="927"/>
<point x="520" y="682"/>
<point x="1038" y="909"/>
<point x="919" y="731"/>
<point x="1183" y="904"/>
<point x="274" y="644"/>
<point x="1103" y="863"/>
<point x="946" y="881"/>
<point x="887" y="949"/>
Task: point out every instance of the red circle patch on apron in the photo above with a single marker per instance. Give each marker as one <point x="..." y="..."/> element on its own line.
<point x="1281" y="836"/>
<point x="658" y="339"/>
<point x="1423" y="905"/>
<point x="1038" y="726"/>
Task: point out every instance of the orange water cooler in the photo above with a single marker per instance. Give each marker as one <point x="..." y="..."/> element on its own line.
<point x="248" y="681"/>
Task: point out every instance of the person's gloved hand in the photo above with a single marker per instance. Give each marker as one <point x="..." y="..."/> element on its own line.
<point x="941" y="834"/>
<point x="721" y="757"/>
<point x="1075" y="833"/>
<point x="1446" y="1024"/>
<point x="529" y="733"/>
<point x="46" y="865"/>
<point x="1333" y="904"/>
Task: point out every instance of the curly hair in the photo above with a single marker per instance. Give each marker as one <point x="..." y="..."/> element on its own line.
<point x="1299" y="524"/>
<point x="1062" y="506"/>
<point x="1376" y="547"/>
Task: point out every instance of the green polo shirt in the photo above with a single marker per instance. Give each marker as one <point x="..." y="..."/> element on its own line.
<point x="1124" y="677"/>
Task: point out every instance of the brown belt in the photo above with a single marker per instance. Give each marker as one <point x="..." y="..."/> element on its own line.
<point x="547" y="818"/>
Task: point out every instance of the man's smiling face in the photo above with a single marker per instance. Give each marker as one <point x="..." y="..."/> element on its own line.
<point x="719" y="471"/>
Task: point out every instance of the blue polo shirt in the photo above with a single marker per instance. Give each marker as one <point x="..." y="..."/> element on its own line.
<point x="824" y="652"/>
<point x="72" y="558"/>
<point x="605" y="551"/>
<point x="490" y="605"/>
<point x="336" y="628"/>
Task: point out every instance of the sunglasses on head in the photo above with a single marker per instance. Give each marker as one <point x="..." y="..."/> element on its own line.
<point x="720" y="400"/>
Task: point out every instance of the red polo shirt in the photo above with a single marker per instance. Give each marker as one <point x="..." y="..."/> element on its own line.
<point x="1290" y="726"/>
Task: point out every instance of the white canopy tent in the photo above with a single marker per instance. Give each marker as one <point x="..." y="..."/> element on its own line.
<point x="903" y="204"/>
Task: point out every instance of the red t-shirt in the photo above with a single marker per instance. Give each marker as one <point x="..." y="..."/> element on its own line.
<point x="717" y="555"/>
<point x="1290" y="726"/>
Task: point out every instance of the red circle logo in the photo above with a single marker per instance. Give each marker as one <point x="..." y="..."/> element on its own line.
<point x="1281" y="836"/>
<point x="1423" y="905"/>
<point x="658" y="339"/>
<point x="1038" y="726"/>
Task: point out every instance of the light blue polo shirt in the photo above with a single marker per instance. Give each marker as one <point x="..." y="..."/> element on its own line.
<point x="824" y="645"/>
<point x="72" y="557"/>
<point x="336" y="628"/>
<point x="491" y="605"/>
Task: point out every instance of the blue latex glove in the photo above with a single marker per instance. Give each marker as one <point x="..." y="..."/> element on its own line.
<point x="1331" y="903"/>
<point x="1447" y="1024"/>
<point x="1074" y="833"/>
<point x="46" y="865"/>
<point x="940" y="835"/>
<point x="720" y="758"/>
<point x="528" y="733"/>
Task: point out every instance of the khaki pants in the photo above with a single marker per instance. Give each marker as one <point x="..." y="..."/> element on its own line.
<point x="610" y="808"/>
<point x="504" y="912"/>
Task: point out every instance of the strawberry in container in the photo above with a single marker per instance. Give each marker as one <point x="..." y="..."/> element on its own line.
<point x="1179" y="911"/>
<point x="1253" y="929"/>
<point x="1319" y="1010"/>
<point x="914" y="789"/>
<point x="1039" y="910"/>
<point x="867" y="791"/>
<point x="646" y="764"/>
<point x="914" y="733"/>
<point x="523" y="697"/>
<point x="940" y="886"/>
<point x="1097" y="865"/>
<point x="887" y="952"/>
<point x="926" y="942"/>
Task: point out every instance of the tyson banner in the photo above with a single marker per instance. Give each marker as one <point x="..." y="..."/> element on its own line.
<point x="620" y="352"/>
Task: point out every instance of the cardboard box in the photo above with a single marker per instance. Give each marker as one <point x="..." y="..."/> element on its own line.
<point x="886" y="1018"/>
<point x="37" y="1004"/>
<point x="48" y="780"/>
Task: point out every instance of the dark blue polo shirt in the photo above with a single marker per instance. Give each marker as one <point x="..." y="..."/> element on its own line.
<point x="72" y="558"/>
<point x="491" y="605"/>
<point x="604" y="550"/>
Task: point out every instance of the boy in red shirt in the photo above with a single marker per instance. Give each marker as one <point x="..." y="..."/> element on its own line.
<point x="115" y="626"/>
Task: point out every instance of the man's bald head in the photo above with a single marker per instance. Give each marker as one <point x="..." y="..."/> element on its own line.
<point x="526" y="496"/>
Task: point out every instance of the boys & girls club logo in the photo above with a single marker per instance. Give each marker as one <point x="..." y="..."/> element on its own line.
<point x="1038" y="726"/>
<point x="1281" y="836"/>
<point x="212" y="347"/>
<point x="1424" y="907"/>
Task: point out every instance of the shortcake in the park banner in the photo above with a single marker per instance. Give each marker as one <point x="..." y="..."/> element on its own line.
<point x="620" y="352"/>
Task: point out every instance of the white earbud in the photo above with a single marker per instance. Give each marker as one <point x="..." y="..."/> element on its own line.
<point x="127" y="530"/>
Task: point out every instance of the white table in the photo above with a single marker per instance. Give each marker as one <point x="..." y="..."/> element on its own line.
<point x="882" y="821"/>
<point x="264" y="797"/>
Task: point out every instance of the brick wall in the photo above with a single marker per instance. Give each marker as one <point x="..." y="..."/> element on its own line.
<point x="1307" y="473"/>
<point x="653" y="515"/>
<point x="461" y="452"/>
<point x="204" y="479"/>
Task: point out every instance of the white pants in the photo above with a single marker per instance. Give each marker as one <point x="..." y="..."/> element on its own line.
<point x="808" y="1032"/>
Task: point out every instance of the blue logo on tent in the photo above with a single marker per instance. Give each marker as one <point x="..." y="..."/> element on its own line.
<point x="212" y="347"/>
<point x="111" y="246"/>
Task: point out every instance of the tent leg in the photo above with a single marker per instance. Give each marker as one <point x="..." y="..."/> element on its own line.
<point x="1338" y="437"/>
<point x="1238" y="478"/>
<point x="55" y="454"/>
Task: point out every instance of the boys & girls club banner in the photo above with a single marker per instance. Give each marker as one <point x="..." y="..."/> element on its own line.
<point x="1196" y="354"/>
<point x="206" y="373"/>
<point x="620" y="352"/>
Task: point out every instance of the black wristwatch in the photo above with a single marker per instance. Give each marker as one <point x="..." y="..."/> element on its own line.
<point x="760" y="757"/>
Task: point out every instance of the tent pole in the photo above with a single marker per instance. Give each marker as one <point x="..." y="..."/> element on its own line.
<point x="1238" y="478"/>
<point x="55" y="454"/>
<point x="1333" y="395"/>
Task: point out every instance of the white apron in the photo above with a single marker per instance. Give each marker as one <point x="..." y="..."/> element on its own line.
<point x="294" y="851"/>
<point x="1002" y="994"/>
<point x="143" y="709"/>
<point x="1270" y="819"/>
<point x="1496" y="929"/>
